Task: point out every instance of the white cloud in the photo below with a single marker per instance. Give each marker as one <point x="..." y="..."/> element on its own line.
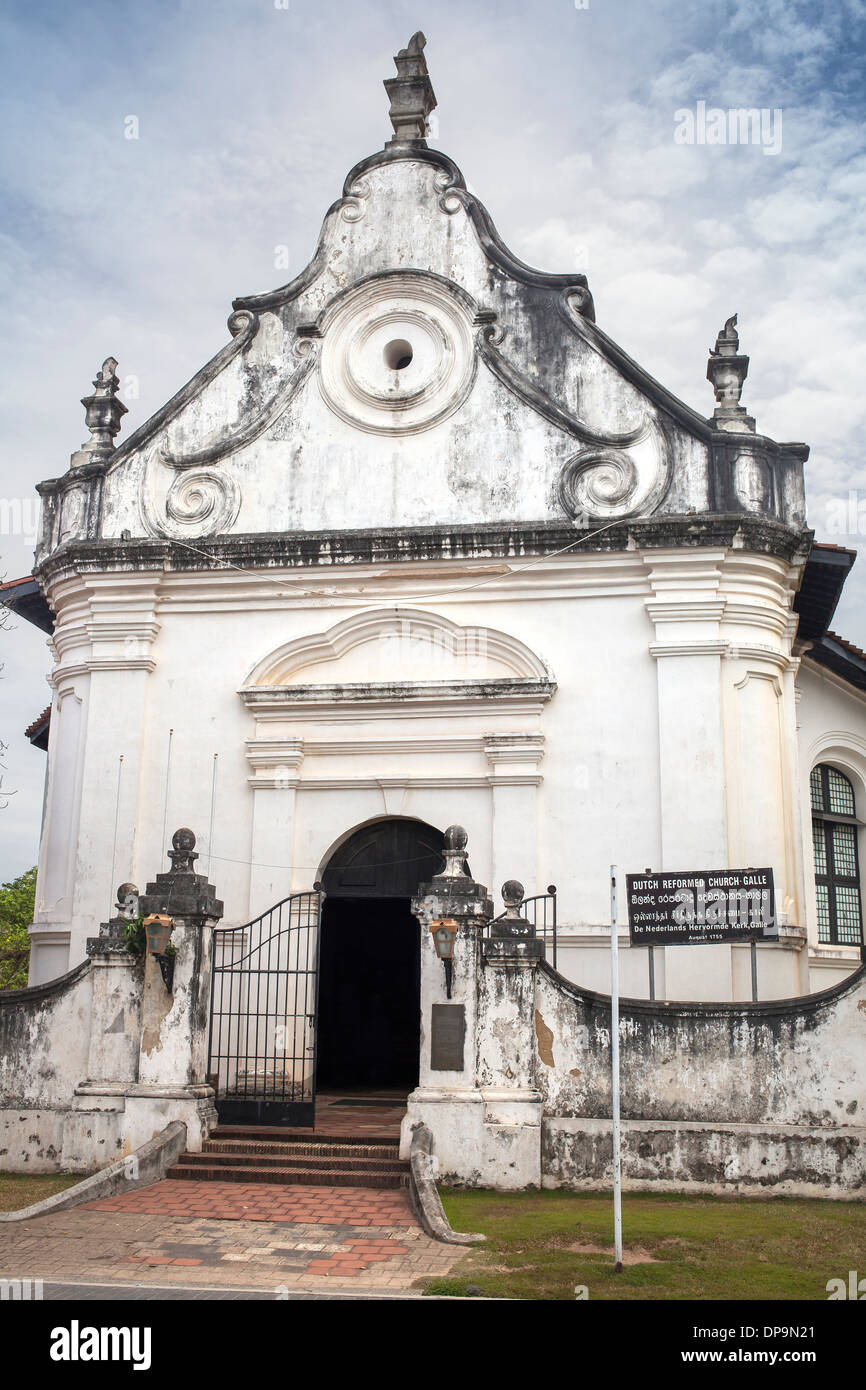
<point x="251" y="117"/>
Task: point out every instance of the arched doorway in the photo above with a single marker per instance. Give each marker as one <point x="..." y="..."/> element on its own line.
<point x="369" y="962"/>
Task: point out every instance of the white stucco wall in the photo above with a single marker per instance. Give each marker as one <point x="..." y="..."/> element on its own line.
<point x="667" y="741"/>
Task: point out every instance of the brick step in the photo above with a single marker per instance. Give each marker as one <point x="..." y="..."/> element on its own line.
<point x="301" y="1147"/>
<point x="347" y="1162"/>
<point x="268" y="1134"/>
<point x="313" y="1177"/>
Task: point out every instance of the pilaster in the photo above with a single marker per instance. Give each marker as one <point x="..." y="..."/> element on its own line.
<point x="104" y="640"/>
<point x="515" y="759"/>
<point x="274" y="778"/>
<point x="686" y="611"/>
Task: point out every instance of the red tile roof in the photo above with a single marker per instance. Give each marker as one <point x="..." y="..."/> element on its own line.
<point x="849" y="646"/>
<point x="38" y="723"/>
<point x="828" y="545"/>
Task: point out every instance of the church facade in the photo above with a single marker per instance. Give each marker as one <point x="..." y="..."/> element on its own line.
<point x="422" y="545"/>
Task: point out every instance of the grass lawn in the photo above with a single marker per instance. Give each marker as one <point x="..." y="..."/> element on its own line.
<point x="542" y="1244"/>
<point x="19" y="1190"/>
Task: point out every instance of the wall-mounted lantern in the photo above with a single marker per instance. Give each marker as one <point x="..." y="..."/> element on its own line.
<point x="444" y="932"/>
<point x="158" y="928"/>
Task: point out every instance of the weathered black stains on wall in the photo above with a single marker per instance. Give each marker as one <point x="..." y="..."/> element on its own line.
<point x="697" y="1156"/>
<point x="796" y="1061"/>
<point x="489" y="541"/>
<point x="33" y="1067"/>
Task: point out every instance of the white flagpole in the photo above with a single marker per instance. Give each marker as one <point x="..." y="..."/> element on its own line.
<point x="614" y="1057"/>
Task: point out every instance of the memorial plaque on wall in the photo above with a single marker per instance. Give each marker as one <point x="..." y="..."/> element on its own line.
<point x="448" y="1031"/>
<point x="701" y="907"/>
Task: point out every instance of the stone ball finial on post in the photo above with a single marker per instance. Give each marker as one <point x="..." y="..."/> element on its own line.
<point x="111" y="939"/>
<point x="456" y="840"/>
<point x="453" y="892"/>
<point x="513" y="923"/>
<point x="181" y="853"/>
<point x="127" y="901"/>
<point x="512" y="895"/>
<point x="181" y="892"/>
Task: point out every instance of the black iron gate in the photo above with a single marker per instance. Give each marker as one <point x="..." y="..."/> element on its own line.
<point x="264" y="1003"/>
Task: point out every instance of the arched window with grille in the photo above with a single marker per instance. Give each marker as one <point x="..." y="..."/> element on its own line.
<point x="837" y="867"/>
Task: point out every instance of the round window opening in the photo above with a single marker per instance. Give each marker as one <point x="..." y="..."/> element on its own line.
<point x="398" y="354"/>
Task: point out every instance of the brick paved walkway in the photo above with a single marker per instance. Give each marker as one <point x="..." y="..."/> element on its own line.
<point x="230" y="1234"/>
<point x="229" y="1201"/>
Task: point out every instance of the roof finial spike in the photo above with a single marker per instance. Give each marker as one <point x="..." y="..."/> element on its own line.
<point x="103" y="412"/>
<point x="727" y="370"/>
<point x="727" y="341"/>
<point x="411" y="93"/>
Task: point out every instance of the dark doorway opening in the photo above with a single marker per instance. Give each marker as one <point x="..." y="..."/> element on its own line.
<point x="369" y="995"/>
<point x="369" y="963"/>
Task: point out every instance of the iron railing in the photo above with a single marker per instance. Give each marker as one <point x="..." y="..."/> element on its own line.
<point x="546" y="927"/>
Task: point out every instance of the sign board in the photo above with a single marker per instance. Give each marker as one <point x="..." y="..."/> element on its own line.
<point x="447" y="1037"/>
<point x="703" y="906"/>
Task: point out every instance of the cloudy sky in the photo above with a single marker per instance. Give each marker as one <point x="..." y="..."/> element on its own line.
<point x="249" y="115"/>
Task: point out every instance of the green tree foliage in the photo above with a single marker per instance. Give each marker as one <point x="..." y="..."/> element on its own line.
<point x="17" y="901"/>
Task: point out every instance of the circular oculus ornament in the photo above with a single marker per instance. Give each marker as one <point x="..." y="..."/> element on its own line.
<point x="398" y="355"/>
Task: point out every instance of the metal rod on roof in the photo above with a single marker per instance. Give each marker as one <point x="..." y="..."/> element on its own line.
<point x="212" y="804"/>
<point x="167" y="781"/>
<point x="614" y="1058"/>
<point x="114" y="847"/>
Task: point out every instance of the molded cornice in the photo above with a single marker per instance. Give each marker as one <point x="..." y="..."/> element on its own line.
<point x="406" y="544"/>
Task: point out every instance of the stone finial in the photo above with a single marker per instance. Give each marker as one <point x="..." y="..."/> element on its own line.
<point x="411" y="92"/>
<point x="181" y="892"/>
<point x="127" y="901"/>
<point x="453" y="893"/>
<point x="727" y="340"/>
<point x="181" y="853"/>
<point x="102" y="414"/>
<point x="512" y="923"/>
<point x="111" y="939"/>
<point x="512" y="896"/>
<point x="726" y="371"/>
<point x="456" y="841"/>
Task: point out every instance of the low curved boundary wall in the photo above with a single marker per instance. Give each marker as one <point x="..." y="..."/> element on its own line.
<point x="44" y="1053"/>
<point x="760" y="1096"/>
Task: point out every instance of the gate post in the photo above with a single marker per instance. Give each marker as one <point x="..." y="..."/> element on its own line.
<point x="94" y="1128"/>
<point x="507" y="1046"/>
<point x="175" y="1021"/>
<point x="447" y="1098"/>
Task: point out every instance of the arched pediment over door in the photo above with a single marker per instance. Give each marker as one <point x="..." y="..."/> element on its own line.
<point x="406" y="645"/>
